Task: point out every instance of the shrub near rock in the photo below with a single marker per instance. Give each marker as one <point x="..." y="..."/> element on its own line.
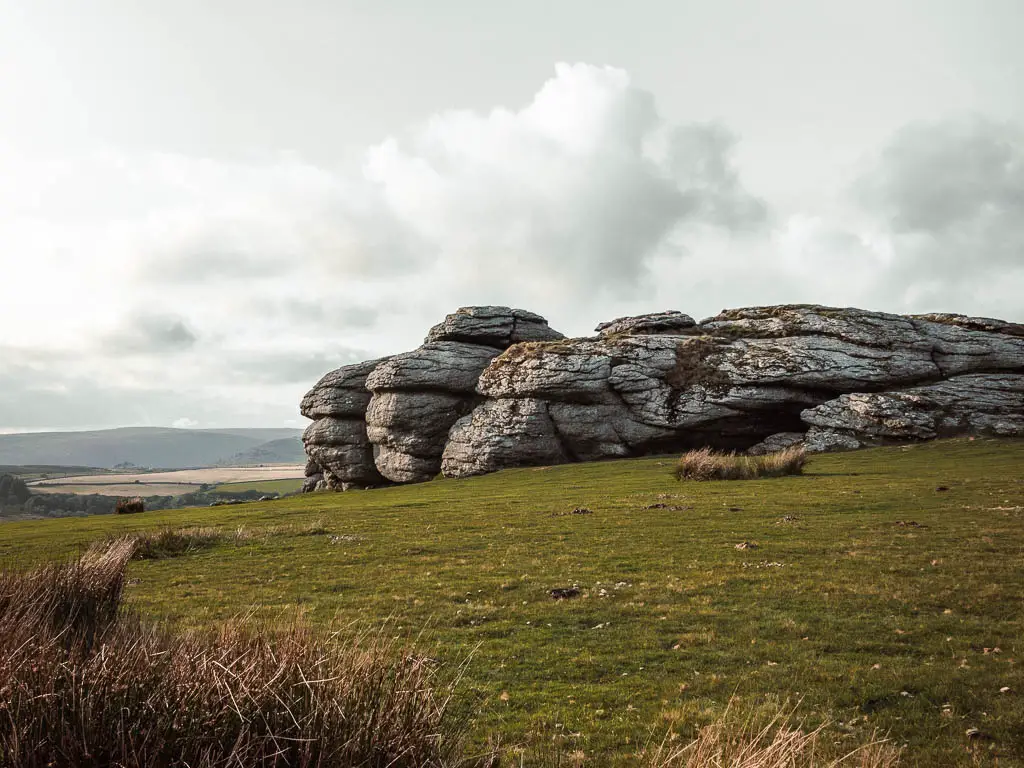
<point x="706" y="464"/>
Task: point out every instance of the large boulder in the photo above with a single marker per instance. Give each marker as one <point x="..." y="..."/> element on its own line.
<point x="502" y="433"/>
<point x="499" y="327"/>
<point x="340" y="393"/>
<point x="975" y="404"/>
<point x="418" y="396"/>
<point x="339" y="453"/>
<point x="672" y="322"/>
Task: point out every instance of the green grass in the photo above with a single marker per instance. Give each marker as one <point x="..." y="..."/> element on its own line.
<point x="870" y="596"/>
<point x="267" y="486"/>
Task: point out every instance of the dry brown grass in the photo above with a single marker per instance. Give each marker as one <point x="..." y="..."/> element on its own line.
<point x="129" y="506"/>
<point x="777" y="744"/>
<point x="707" y="464"/>
<point x="82" y="685"/>
<point x="74" y="600"/>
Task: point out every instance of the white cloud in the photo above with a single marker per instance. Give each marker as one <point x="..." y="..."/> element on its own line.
<point x="583" y="204"/>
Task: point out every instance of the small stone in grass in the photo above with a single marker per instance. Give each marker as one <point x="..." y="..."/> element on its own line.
<point x="564" y="593"/>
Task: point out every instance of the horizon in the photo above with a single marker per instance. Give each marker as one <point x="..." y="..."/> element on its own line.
<point x="203" y="210"/>
<point x="4" y="431"/>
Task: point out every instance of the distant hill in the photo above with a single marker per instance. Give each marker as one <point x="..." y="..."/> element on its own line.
<point x="158" y="447"/>
<point x="286" y="450"/>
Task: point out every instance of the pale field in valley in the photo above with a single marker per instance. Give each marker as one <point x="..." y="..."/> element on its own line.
<point x="171" y="483"/>
<point x="120" y="489"/>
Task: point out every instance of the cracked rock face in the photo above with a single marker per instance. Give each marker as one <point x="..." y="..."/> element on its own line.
<point x="339" y="452"/>
<point x="672" y="321"/>
<point x="978" y="404"/>
<point x="418" y="396"/>
<point x="525" y="436"/>
<point x="494" y="387"/>
<point x="777" y="442"/>
<point x="499" y="327"/>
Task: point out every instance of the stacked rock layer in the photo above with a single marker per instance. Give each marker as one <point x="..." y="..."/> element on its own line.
<point x="494" y="387"/>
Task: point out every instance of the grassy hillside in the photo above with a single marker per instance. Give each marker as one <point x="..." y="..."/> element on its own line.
<point x="286" y="450"/>
<point x="146" y="446"/>
<point x="883" y="589"/>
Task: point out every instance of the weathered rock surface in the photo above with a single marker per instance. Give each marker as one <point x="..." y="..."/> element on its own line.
<point x="671" y="321"/>
<point x="340" y="454"/>
<point x="978" y="404"/>
<point x="341" y="393"/>
<point x="525" y="436"/>
<point x="499" y="327"/>
<point x="448" y="366"/>
<point x="777" y="442"/>
<point x="419" y="395"/>
<point x="758" y="378"/>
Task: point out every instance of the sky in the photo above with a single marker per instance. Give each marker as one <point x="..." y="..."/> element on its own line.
<point x="206" y="206"/>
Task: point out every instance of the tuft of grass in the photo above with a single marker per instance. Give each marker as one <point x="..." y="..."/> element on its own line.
<point x="76" y="600"/>
<point x="707" y="464"/>
<point x="174" y="542"/>
<point x="778" y="743"/>
<point x="129" y="506"/>
<point x="139" y="696"/>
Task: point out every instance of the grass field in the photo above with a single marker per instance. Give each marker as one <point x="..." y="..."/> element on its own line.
<point x="883" y="589"/>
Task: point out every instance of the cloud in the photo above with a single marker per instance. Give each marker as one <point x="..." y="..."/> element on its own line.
<point x="150" y="334"/>
<point x="142" y="285"/>
<point x="71" y="397"/>
<point x="286" y="366"/>
<point x="935" y="177"/>
<point x="950" y="195"/>
<point x="700" y="159"/>
<point x="578" y="189"/>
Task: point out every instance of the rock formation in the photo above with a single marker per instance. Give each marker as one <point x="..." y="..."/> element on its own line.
<point x="494" y="387"/>
<point x="339" y="451"/>
<point x="388" y="420"/>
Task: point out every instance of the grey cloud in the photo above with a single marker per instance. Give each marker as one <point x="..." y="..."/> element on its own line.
<point x="326" y="312"/>
<point x="700" y="158"/>
<point x="148" y="334"/>
<point x="34" y="399"/>
<point x="950" y="197"/>
<point x="285" y="367"/>
<point x="569" y="190"/>
<point x="952" y="193"/>
<point x="934" y="177"/>
<point x="199" y="262"/>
